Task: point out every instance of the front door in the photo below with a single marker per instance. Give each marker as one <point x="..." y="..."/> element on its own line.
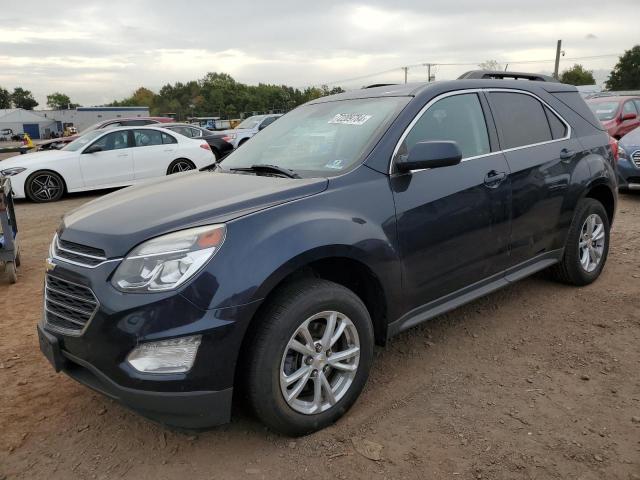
<point x="453" y="222"/>
<point x="112" y="165"/>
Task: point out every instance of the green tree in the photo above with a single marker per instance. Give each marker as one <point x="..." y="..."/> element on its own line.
<point x="626" y="73"/>
<point x="218" y="94"/>
<point x="577" y="75"/>
<point x="60" y="101"/>
<point x="5" y="98"/>
<point x="22" y="98"/>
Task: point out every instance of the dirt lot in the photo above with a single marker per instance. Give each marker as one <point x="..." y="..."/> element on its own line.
<point x="539" y="380"/>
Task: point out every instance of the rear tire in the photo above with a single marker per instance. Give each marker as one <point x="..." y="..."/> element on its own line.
<point x="330" y="371"/>
<point x="587" y="246"/>
<point x="180" y="165"/>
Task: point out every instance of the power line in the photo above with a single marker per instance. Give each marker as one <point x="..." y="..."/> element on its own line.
<point x="464" y="64"/>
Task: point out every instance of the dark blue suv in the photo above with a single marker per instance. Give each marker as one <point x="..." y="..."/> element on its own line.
<point x="352" y="218"/>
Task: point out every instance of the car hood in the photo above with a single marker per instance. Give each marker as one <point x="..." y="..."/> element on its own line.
<point x="35" y="158"/>
<point x="119" y="221"/>
<point x="631" y="139"/>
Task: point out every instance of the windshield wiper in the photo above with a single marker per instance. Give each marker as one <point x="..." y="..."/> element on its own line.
<point x="263" y="167"/>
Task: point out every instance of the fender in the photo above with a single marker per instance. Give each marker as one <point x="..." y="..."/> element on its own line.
<point x="273" y="243"/>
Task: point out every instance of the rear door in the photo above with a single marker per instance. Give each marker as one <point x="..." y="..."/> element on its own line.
<point x="154" y="151"/>
<point x="541" y="155"/>
<point x="113" y="165"/>
<point x="453" y="222"/>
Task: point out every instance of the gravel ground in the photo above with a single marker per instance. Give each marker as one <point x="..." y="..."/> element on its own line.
<point x="538" y="380"/>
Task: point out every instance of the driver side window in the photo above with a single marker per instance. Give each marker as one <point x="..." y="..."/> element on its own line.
<point x="113" y="141"/>
<point x="458" y="118"/>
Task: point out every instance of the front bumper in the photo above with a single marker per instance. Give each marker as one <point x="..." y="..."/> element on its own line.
<point x="96" y="356"/>
<point x="198" y="409"/>
<point x="628" y="174"/>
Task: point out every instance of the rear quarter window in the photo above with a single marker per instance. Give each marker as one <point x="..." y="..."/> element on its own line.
<point x="575" y="102"/>
<point x="521" y="119"/>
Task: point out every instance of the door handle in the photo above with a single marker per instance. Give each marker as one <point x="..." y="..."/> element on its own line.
<point x="566" y="154"/>
<point x="123" y="155"/>
<point x="493" y="178"/>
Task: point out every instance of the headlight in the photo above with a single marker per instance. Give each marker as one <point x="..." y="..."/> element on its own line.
<point x="166" y="262"/>
<point x="167" y="356"/>
<point x="12" y="171"/>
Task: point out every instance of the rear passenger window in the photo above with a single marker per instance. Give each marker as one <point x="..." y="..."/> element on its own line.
<point x="458" y="118"/>
<point x="166" y="138"/>
<point x="146" y="138"/>
<point x="521" y="119"/>
<point x="558" y="128"/>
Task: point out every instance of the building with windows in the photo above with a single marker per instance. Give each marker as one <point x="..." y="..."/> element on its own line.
<point x="83" y="117"/>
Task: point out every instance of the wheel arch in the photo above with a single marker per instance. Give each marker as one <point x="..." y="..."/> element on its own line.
<point x="65" y="189"/>
<point x="338" y="264"/>
<point x="601" y="191"/>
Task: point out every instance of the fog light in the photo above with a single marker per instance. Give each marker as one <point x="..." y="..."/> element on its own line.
<point x="167" y="356"/>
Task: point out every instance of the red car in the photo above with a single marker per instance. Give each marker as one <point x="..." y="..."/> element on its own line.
<point x="57" y="143"/>
<point x="619" y="114"/>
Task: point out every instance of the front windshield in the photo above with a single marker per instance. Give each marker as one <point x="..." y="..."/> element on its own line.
<point x="82" y="141"/>
<point x="604" y="110"/>
<point x="251" y="122"/>
<point x="321" y="138"/>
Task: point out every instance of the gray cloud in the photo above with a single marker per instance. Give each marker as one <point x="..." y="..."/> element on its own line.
<point x="103" y="51"/>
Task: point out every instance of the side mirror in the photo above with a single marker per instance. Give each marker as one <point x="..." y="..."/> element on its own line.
<point x="432" y="154"/>
<point x="629" y="116"/>
<point x="93" y="149"/>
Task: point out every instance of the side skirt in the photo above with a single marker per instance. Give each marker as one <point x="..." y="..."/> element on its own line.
<point x="472" y="292"/>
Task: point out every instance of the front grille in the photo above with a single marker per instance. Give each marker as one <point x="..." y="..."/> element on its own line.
<point x="635" y="156"/>
<point x="68" y="306"/>
<point x="82" y="255"/>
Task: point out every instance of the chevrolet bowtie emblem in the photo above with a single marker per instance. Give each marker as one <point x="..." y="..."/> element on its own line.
<point x="49" y="265"/>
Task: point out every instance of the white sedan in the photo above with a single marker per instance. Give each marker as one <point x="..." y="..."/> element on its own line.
<point x="104" y="159"/>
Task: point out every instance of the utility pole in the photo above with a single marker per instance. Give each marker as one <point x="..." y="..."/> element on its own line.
<point x="428" y="72"/>
<point x="406" y="69"/>
<point x="558" y="50"/>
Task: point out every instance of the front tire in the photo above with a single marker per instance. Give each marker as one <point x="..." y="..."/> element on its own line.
<point x="587" y="246"/>
<point x="309" y="357"/>
<point x="44" y="186"/>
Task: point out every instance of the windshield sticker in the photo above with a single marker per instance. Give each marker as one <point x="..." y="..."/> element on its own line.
<point x="603" y="111"/>
<point x="335" y="165"/>
<point x="350" y="118"/>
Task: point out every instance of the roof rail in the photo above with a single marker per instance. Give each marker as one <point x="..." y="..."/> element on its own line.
<point x="379" y="85"/>
<point x="500" y="75"/>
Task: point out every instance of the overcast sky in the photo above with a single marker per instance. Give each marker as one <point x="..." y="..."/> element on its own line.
<point x="100" y="51"/>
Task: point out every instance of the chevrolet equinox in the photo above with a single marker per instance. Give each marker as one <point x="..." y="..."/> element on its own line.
<point x="271" y="276"/>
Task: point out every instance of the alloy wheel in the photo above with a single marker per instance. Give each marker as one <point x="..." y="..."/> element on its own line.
<point x="591" y="242"/>
<point x="45" y="187"/>
<point x="181" y="166"/>
<point x="319" y="362"/>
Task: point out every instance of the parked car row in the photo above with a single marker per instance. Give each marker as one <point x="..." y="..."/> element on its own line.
<point x="619" y="114"/>
<point x="353" y="218"/>
<point x="58" y="143"/>
<point x="105" y="158"/>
